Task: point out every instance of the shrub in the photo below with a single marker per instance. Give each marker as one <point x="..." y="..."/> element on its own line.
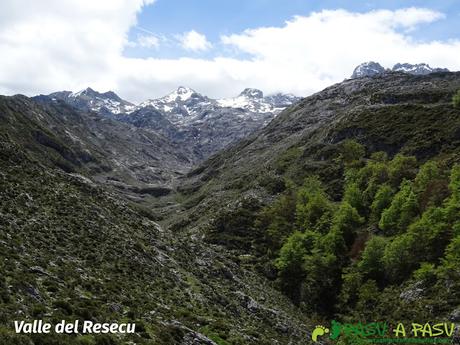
<point x="352" y="151"/>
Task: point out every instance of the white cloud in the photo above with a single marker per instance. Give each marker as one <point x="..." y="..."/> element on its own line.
<point x="147" y="41"/>
<point x="55" y="44"/>
<point x="194" y="41"/>
<point x="68" y="44"/>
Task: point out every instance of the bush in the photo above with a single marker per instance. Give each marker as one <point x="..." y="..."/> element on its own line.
<point x="352" y="152"/>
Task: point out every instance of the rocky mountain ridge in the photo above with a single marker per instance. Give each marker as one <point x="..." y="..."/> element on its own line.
<point x="186" y="117"/>
<point x="181" y="106"/>
<point x="107" y="103"/>
<point x="371" y="69"/>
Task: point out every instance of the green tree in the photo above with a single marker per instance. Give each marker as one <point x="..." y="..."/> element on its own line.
<point x="354" y="196"/>
<point x="409" y="210"/>
<point x="371" y="263"/>
<point x="398" y="258"/>
<point x="402" y="167"/>
<point x="290" y="262"/>
<point x="402" y="210"/>
<point x="452" y="257"/>
<point x="428" y="172"/>
<point x="454" y="184"/>
<point x="315" y="214"/>
<point x="430" y="185"/>
<point x="456" y="100"/>
<point x="449" y="267"/>
<point x="320" y="286"/>
<point x="432" y="233"/>
<point x="453" y="202"/>
<point x="277" y="221"/>
<point x="381" y="201"/>
<point x="379" y="156"/>
<point x="344" y="227"/>
<point x="352" y="280"/>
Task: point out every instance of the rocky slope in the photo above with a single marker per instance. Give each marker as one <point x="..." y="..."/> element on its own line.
<point x="142" y="164"/>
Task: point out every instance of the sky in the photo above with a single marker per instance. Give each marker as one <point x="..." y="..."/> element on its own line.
<point x="144" y="49"/>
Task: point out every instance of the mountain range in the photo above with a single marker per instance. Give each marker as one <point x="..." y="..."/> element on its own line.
<point x="371" y="69"/>
<point x="186" y="117"/>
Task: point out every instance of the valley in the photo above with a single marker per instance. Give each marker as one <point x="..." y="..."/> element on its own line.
<point x="246" y="220"/>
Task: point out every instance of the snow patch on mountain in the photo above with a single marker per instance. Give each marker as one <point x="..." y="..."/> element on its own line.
<point x="253" y="100"/>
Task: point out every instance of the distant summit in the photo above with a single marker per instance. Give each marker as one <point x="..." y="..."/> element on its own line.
<point x="417" y="69"/>
<point x="367" y="69"/>
<point x="372" y="69"/>
<point x="252" y="93"/>
<point x="106" y="103"/>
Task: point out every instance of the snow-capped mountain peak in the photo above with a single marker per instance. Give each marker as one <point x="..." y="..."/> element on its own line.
<point x="253" y="100"/>
<point x="368" y="69"/>
<point x="252" y="93"/>
<point x="417" y="69"/>
<point x="180" y="103"/>
<point x="90" y="100"/>
<point x="182" y="93"/>
<point x="183" y="106"/>
<point x="84" y="92"/>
